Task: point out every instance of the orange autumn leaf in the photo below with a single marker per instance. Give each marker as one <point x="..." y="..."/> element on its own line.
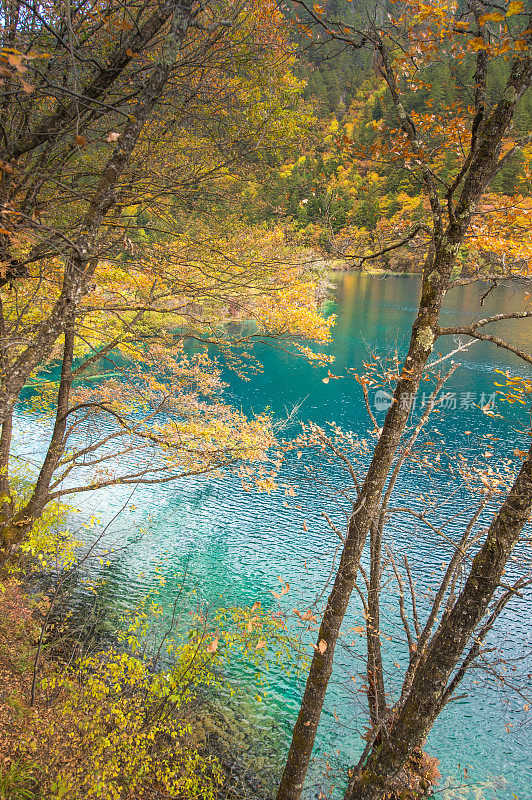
<point x="284" y="590"/>
<point x="213" y="646"/>
<point x="477" y="44"/>
<point x="15" y="60"/>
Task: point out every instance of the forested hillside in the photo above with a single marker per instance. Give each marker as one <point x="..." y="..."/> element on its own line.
<point x="343" y="194"/>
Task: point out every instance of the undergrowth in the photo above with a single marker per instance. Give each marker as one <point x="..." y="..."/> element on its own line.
<point x="116" y="723"/>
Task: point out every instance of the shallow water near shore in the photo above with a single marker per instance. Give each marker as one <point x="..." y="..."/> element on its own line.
<point x="233" y="544"/>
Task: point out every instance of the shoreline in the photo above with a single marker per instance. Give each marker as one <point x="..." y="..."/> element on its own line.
<point x="220" y="731"/>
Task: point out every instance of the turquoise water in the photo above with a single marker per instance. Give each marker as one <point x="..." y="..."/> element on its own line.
<point x="233" y="544"/>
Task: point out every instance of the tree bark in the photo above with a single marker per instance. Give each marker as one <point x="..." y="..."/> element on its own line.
<point x="78" y="273"/>
<point x="375" y="676"/>
<point x="480" y="166"/>
<point x="385" y="769"/>
<point x="16" y="528"/>
<point x="82" y="262"/>
<point x="436" y="277"/>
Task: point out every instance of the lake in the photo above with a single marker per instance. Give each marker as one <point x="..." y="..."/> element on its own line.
<point x="234" y="544"/>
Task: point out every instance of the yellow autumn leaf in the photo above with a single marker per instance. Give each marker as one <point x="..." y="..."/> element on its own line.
<point x="515" y="7"/>
<point x="477" y="44"/>
<point x="493" y="16"/>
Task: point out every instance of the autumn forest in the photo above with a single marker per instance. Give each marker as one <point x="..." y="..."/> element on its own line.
<point x="265" y="395"/>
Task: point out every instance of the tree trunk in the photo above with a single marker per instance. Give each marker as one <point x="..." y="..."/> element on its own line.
<point x="479" y="168"/>
<point x="83" y="261"/>
<point x="375" y="675"/>
<point x="436" y="277"/>
<point x="78" y="274"/>
<point x="387" y="772"/>
<point x="17" y="527"/>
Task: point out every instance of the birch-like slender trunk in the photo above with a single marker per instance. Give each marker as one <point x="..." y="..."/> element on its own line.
<point x="450" y="220"/>
<point x="79" y="270"/>
<point x="386" y="773"/>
